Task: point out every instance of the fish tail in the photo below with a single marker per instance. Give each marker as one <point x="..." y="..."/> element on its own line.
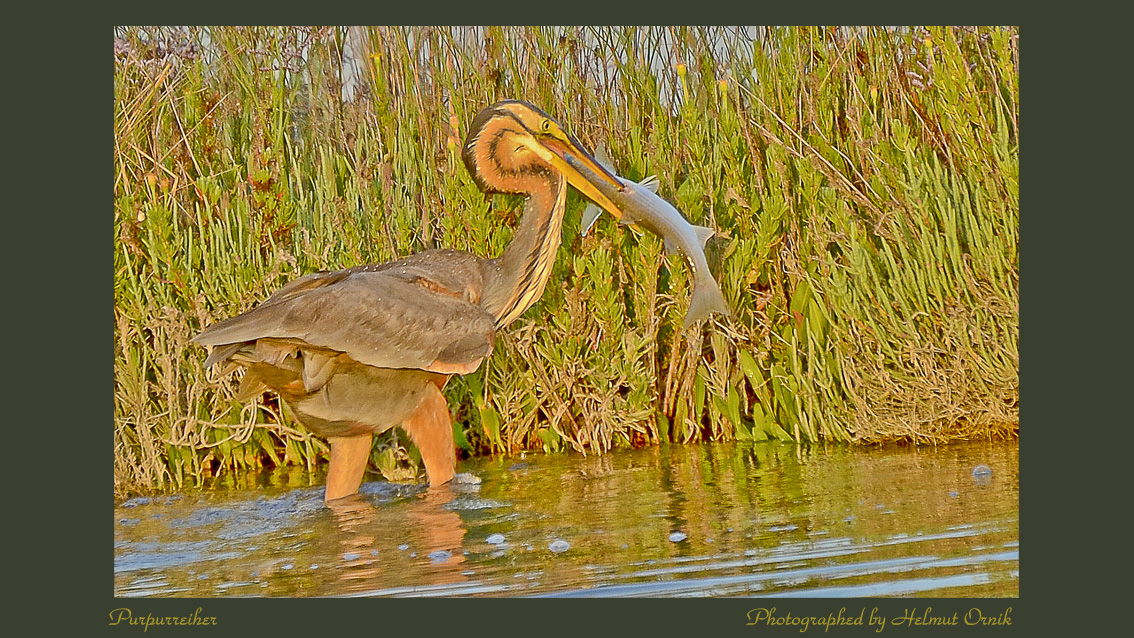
<point x="707" y="299"/>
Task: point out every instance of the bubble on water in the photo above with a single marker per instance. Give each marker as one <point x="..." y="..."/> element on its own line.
<point x="495" y="539"/>
<point x="440" y="556"/>
<point x="403" y="547"/>
<point x="350" y="556"/>
<point x="287" y="566"/>
<point x="470" y="503"/>
<point x="466" y="478"/>
<point x="954" y="494"/>
<point x="982" y="471"/>
<point x="677" y="537"/>
<point x="559" y="545"/>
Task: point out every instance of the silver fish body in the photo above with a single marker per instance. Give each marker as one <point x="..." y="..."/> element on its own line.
<point x="643" y="207"/>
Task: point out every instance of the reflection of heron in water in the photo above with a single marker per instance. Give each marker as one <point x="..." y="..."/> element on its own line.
<point x="358" y="351"/>
<point x="365" y="526"/>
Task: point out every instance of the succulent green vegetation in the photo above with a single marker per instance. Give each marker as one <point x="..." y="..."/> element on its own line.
<point x="864" y="182"/>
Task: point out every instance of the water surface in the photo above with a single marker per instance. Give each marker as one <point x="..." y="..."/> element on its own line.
<point x="704" y="520"/>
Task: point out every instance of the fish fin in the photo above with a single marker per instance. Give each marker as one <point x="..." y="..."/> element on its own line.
<point x="603" y="158"/>
<point x="707" y="299"/>
<point x="650" y="183"/>
<point x="590" y="215"/>
<point x="592" y="212"/>
<point x="703" y="234"/>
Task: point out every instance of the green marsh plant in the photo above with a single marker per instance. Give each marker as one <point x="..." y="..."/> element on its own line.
<point x="864" y="183"/>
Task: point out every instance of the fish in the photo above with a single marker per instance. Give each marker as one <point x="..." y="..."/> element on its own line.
<point x="643" y="207"/>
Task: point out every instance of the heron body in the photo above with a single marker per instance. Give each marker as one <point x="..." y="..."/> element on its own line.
<point x="358" y="351"/>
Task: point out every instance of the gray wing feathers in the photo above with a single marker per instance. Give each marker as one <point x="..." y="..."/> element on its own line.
<point x="220" y="353"/>
<point x="375" y="318"/>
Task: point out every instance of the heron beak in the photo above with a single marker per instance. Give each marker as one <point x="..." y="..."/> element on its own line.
<point x="565" y="154"/>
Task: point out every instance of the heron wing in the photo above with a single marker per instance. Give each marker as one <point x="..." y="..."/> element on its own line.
<point x="411" y="313"/>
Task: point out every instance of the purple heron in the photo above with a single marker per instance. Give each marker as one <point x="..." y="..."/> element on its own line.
<point x="358" y="351"/>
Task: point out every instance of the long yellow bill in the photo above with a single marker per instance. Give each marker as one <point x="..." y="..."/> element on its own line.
<point x="555" y="150"/>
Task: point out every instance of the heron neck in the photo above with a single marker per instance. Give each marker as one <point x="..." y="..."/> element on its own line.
<point x="515" y="280"/>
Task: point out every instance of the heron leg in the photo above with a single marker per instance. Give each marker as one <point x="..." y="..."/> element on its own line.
<point x="430" y="427"/>
<point x="349" y="455"/>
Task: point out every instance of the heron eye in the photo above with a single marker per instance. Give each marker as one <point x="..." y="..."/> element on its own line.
<point x="545" y="126"/>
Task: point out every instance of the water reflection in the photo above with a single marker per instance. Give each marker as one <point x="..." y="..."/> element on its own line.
<point x="437" y="532"/>
<point x="769" y="519"/>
